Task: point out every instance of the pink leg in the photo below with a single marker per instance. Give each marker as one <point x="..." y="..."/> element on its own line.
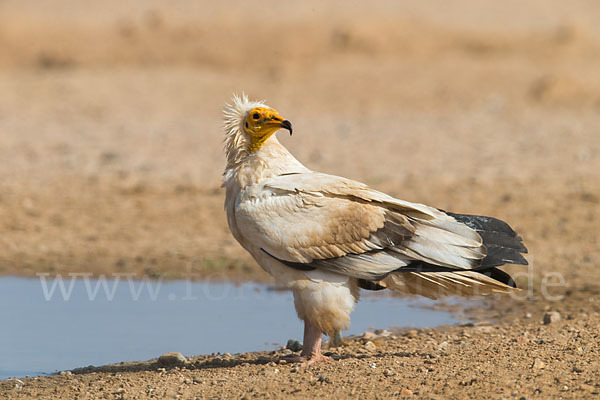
<point x="311" y="350"/>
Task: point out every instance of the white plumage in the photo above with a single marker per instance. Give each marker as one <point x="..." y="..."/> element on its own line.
<point x="325" y="236"/>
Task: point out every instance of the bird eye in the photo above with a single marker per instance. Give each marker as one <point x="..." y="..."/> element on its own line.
<point x="256" y="116"/>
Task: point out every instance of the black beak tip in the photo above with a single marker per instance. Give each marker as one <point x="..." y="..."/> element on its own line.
<point x="287" y="125"/>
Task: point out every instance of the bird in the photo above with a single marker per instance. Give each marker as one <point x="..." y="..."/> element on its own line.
<point x="327" y="237"/>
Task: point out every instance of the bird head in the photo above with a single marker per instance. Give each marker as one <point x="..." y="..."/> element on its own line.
<point x="262" y="122"/>
<point x="248" y="124"/>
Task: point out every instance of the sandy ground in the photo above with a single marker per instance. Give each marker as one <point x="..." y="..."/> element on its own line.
<point x="111" y="157"/>
<point x="517" y="359"/>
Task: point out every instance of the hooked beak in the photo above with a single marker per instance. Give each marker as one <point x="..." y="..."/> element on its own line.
<point x="286" y="125"/>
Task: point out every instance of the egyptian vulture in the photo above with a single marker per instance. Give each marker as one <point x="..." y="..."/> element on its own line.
<point x="325" y="236"/>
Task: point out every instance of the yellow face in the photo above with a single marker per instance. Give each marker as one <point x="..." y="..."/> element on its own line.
<point x="261" y="123"/>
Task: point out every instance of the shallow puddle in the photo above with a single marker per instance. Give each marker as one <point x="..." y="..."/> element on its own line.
<point x="49" y="325"/>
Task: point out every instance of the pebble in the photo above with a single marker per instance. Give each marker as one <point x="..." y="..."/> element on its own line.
<point x="293" y="345"/>
<point x="171" y="359"/>
<point x="197" y="380"/>
<point x="551" y="317"/>
<point x="412" y="333"/>
<point x="370" y="346"/>
<point x="369" y="336"/>
<point x="538" y="364"/>
<point x="406" y="392"/>
<point x="523" y="339"/>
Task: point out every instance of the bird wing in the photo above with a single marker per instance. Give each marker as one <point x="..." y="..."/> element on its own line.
<point x="314" y="220"/>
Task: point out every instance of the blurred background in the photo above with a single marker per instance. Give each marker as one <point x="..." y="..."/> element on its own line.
<point x="111" y="139"/>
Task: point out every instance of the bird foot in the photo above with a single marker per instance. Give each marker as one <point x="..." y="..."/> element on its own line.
<point x="316" y="359"/>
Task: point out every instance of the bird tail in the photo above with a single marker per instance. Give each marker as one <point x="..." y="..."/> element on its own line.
<point x="447" y="283"/>
<point x="503" y="246"/>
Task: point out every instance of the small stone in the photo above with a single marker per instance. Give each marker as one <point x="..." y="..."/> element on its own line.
<point x="443" y="345"/>
<point x="370" y="346"/>
<point x="286" y="352"/>
<point x="172" y="359"/>
<point x="406" y="392"/>
<point x="369" y="336"/>
<point x="294" y="369"/>
<point x="412" y="333"/>
<point x="523" y="339"/>
<point x="551" y="317"/>
<point x="538" y="364"/>
<point x="293" y="345"/>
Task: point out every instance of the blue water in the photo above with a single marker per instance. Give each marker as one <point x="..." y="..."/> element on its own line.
<point x="43" y="330"/>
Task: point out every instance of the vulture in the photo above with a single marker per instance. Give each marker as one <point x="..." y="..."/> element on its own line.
<point x="326" y="237"/>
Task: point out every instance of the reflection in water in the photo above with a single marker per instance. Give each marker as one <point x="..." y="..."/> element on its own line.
<point x="50" y="325"/>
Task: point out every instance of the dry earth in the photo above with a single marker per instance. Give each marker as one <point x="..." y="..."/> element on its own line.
<point x="517" y="359"/>
<point x="110" y="147"/>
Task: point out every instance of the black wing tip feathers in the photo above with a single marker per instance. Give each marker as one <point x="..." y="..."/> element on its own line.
<point x="503" y="244"/>
<point x="500" y="276"/>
